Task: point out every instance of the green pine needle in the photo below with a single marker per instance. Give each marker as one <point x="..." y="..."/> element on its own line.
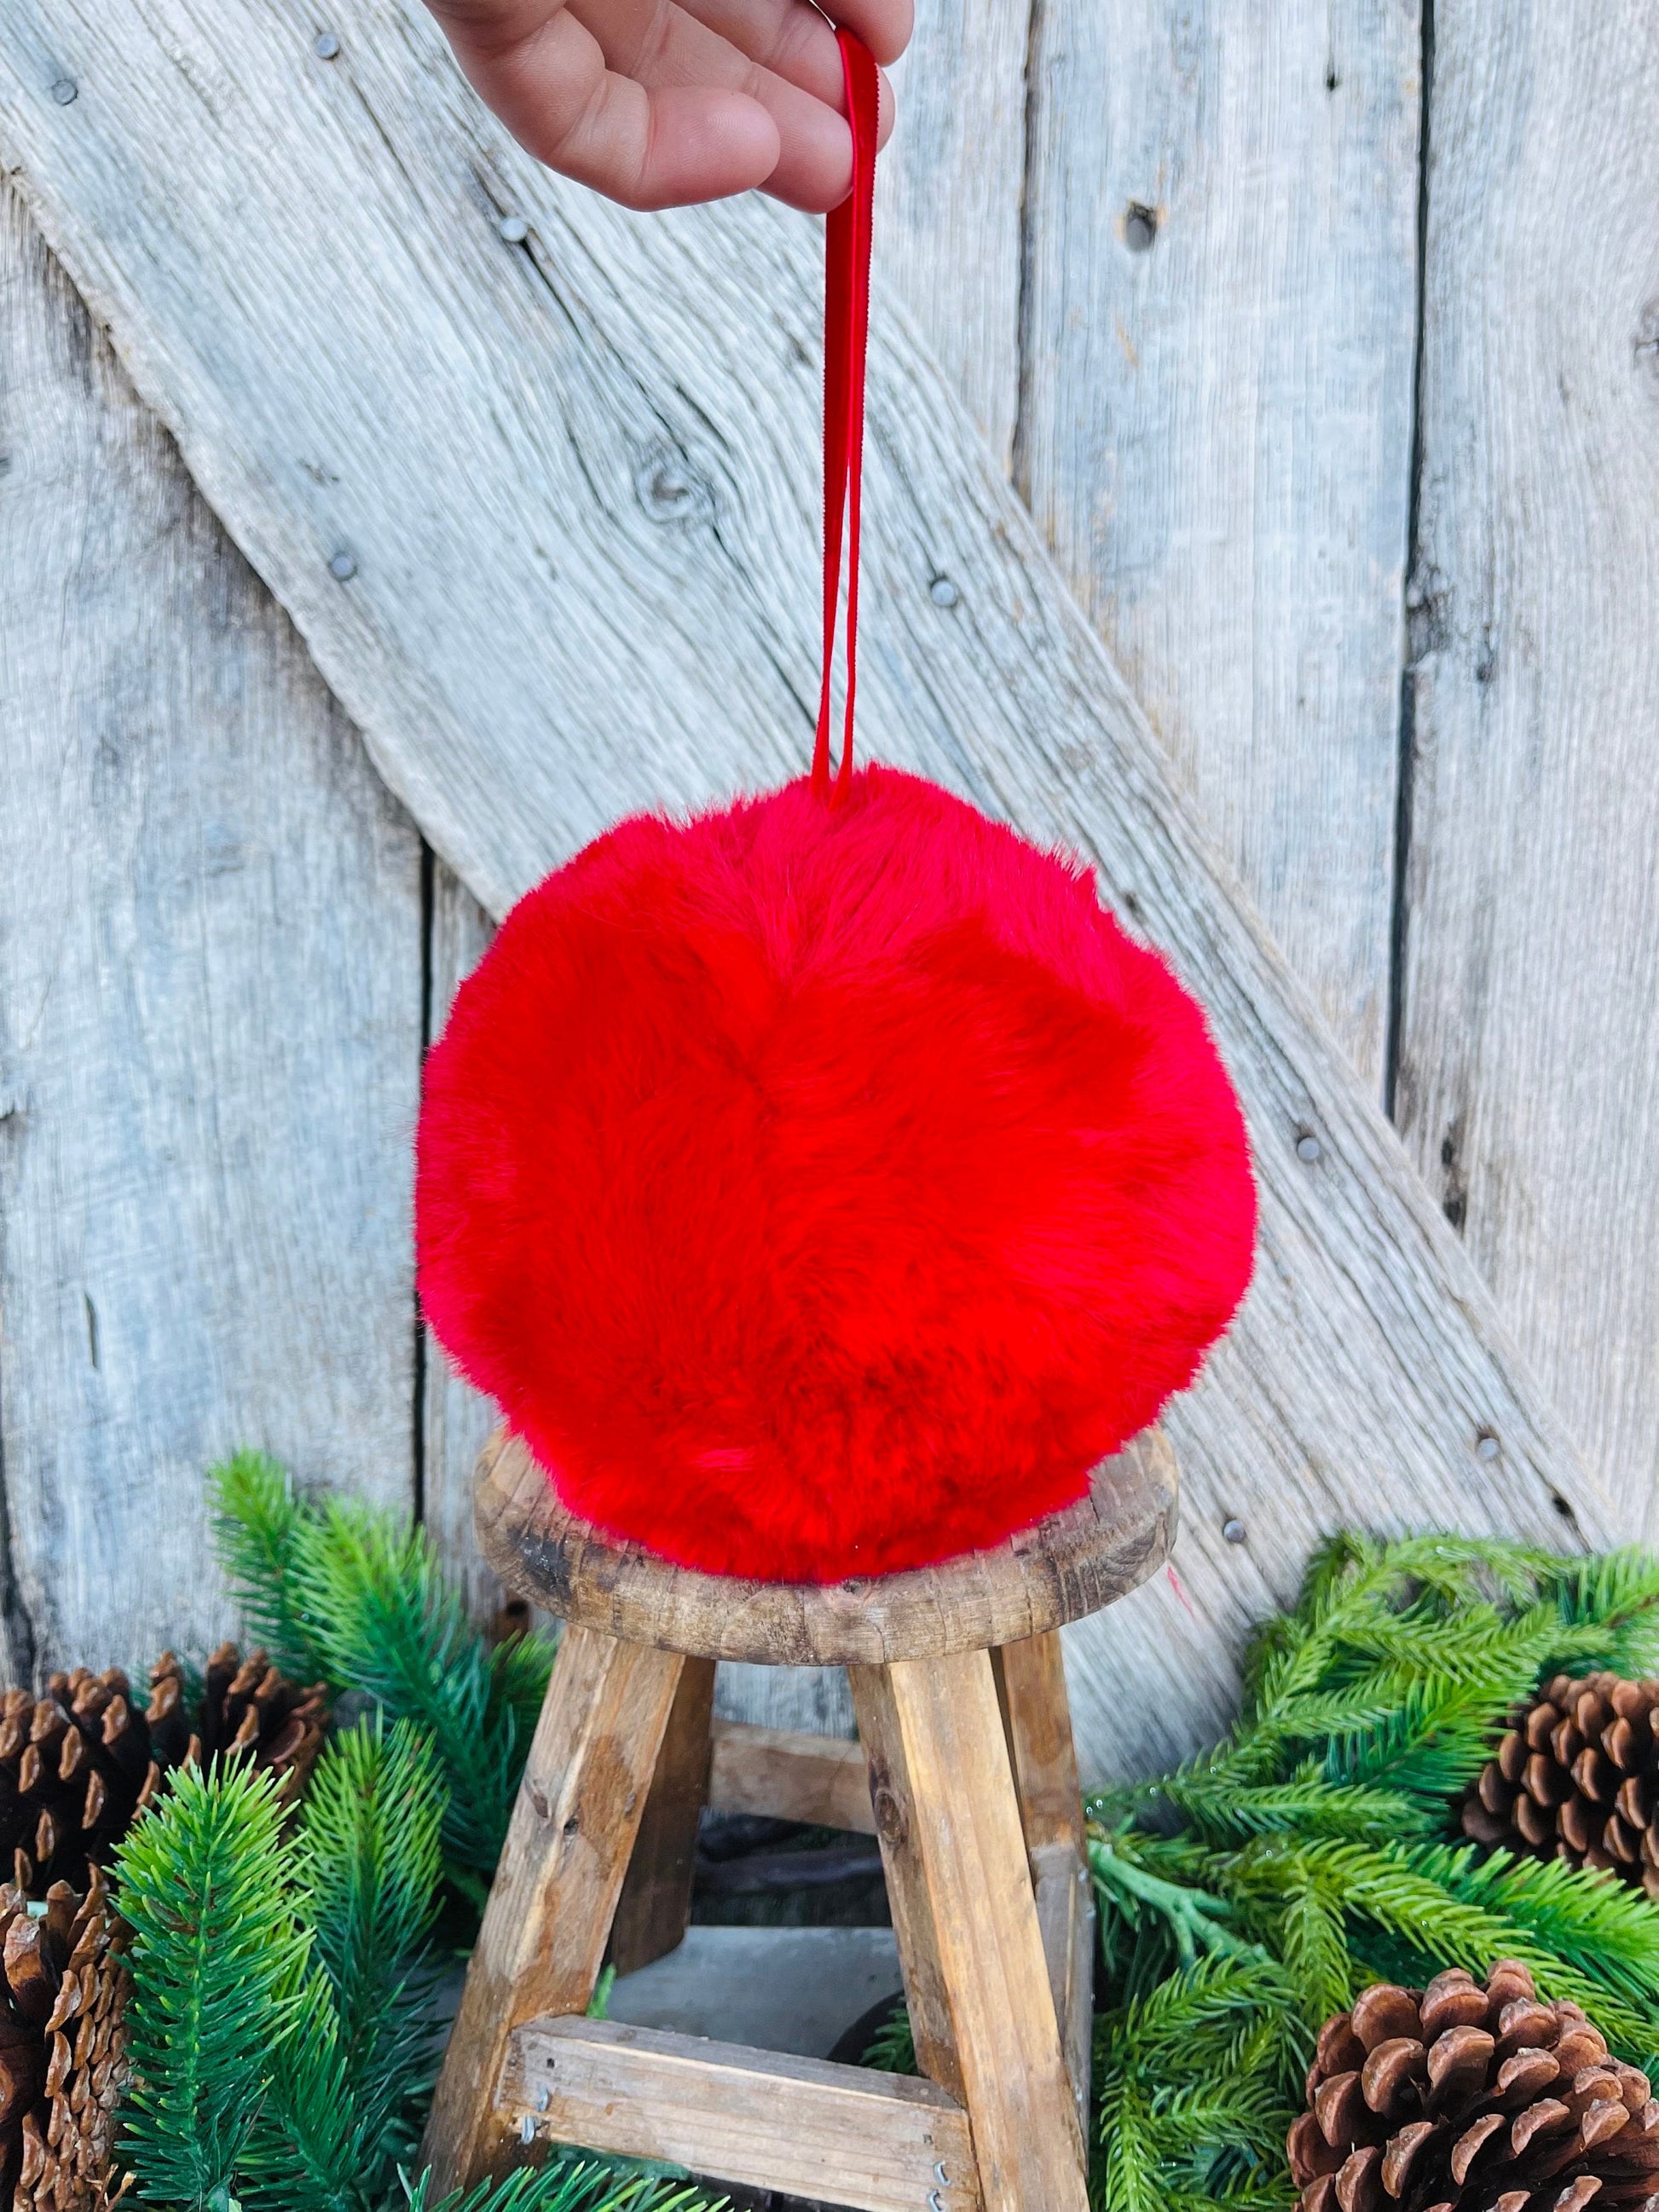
<point x="1194" y="2083"/>
<point x="368" y="1863"/>
<point x="893" y="2046"/>
<point x="351" y="1595"/>
<point x="1316" y="1849"/>
<point x="218" y="1965"/>
<point x="568" y="2184"/>
<point x="258" y="1523"/>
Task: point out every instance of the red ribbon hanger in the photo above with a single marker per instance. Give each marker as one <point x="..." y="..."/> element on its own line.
<point x="846" y="342"/>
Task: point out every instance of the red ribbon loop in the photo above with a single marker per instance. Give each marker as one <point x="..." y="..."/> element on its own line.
<point x="845" y="341"/>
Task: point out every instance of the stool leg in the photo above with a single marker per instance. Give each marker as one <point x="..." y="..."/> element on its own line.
<point x="654" y="1910"/>
<point x="1036" y="1715"/>
<point x="966" y="1919"/>
<point x="550" y="1907"/>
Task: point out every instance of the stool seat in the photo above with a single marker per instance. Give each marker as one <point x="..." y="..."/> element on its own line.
<point x="1072" y="1564"/>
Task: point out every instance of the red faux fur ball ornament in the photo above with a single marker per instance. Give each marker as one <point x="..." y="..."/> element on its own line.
<point x="822" y="1189"/>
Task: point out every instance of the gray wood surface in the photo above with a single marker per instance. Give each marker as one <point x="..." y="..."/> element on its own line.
<point x="577" y="503"/>
<point x="210" y="1008"/>
<point x="1216" y="425"/>
<point x="455" y="1420"/>
<point x="951" y="200"/>
<point x="1529" y="1058"/>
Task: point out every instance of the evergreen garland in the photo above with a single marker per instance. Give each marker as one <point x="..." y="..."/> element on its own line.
<point x="280" y="2016"/>
<point x="281" y="2032"/>
<point x="218" y="1967"/>
<point x="341" y="1593"/>
<point x="1248" y="1895"/>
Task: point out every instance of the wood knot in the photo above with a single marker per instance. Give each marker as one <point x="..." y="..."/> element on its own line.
<point x="889" y="1810"/>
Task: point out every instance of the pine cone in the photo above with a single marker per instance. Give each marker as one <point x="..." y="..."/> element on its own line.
<point x="1460" y="2099"/>
<point x="62" y="2048"/>
<point x="247" y="1705"/>
<point x="79" y="1763"/>
<point x="1577" y="1777"/>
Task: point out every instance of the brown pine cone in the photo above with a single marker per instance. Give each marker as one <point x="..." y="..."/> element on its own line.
<point x="247" y="1705"/>
<point x="1577" y="1777"/>
<point x="79" y="1763"/>
<point x="1460" y="2099"/>
<point x="75" y="1766"/>
<point x="62" y="2048"/>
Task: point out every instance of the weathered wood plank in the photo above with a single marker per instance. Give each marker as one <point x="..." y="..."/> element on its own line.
<point x="580" y="493"/>
<point x="1037" y="1716"/>
<point x="892" y="1799"/>
<point x="455" y="1420"/>
<point x="210" y="1022"/>
<point x="1529" y="1046"/>
<point x="655" y="1909"/>
<point x="958" y="1823"/>
<point x="561" y="1869"/>
<point x="950" y="205"/>
<point x="1215" y="430"/>
<point x="801" y="2125"/>
<point x="788" y="1775"/>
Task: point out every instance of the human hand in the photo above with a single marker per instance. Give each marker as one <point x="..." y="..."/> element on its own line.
<point x="656" y="103"/>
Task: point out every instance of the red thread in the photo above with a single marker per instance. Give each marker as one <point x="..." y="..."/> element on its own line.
<point x="846" y="342"/>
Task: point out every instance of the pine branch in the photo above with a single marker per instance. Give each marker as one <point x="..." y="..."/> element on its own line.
<point x="565" y="2185"/>
<point x="1399" y="1890"/>
<point x="309" y="2150"/>
<point x="259" y="1526"/>
<point x="1192" y="2088"/>
<point x="1596" y="1924"/>
<point x="216" y="1961"/>
<point x="363" y="1601"/>
<point x="892" y="2049"/>
<point x="367" y="1867"/>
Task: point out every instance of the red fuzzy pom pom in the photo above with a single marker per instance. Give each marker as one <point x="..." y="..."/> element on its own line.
<point x="822" y="1191"/>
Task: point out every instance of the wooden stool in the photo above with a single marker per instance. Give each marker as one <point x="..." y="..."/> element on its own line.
<point x="967" y="1776"/>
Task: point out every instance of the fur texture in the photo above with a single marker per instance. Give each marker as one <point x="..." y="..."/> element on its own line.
<point x="823" y="1191"/>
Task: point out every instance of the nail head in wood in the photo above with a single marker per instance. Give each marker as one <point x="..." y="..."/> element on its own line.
<point x="514" y="229"/>
<point x="1234" y="1530"/>
<point x="1307" y="1147"/>
<point x="65" y="91"/>
<point x="325" y="46"/>
<point x="342" y="566"/>
<point x="1486" y="1445"/>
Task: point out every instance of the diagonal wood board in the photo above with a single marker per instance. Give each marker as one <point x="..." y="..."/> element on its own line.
<point x="545" y="513"/>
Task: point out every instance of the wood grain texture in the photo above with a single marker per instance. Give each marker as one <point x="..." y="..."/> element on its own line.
<point x="654" y="1910"/>
<point x="1030" y="1679"/>
<point x="1530" y="1046"/>
<point x="1215" y="430"/>
<point x="787" y="1775"/>
<point x="949" y="204"/>
<point x="1063" y="1568"/>
<point x="800" y="2125"/>
<point x="1036" y="1717"/>
<point x="1064" y="1896"/>
<point x="455" y="1420"/>
<point x="962" y="1824"/>
<point x="209" y="1023"/>
<point x="580" y="496"/>
<point x="546" y="1928"/>
<point x="909" y="1898"/>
